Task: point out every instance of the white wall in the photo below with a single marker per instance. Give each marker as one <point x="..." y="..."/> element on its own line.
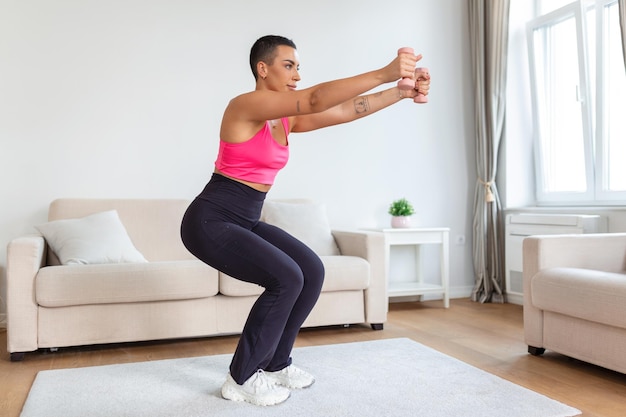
<point x="123" y="98"/>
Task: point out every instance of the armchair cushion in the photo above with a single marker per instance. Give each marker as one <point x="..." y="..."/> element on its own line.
<point x="99" y="238"/>
<point x="588" y="294"/>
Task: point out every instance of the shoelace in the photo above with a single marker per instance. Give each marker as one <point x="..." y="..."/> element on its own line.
<point x="261" y="381"/>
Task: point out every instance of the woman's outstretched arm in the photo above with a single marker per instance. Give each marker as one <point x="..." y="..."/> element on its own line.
<point x="359" y="107"/>
<point x="266" y="104"/>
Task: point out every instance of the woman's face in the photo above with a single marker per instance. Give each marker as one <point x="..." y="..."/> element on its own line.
<point x="283" y="74"/>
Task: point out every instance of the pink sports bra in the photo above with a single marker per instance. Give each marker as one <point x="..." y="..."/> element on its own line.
<point x="256" y="160"/>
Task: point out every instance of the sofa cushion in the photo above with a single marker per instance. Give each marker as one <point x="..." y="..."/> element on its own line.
<point x="592" y="295"/>
<point x="68" y="285"/>
<point x="95" y="239"/>
<point x="342" y="273"/>
<point x="306" y="221"/>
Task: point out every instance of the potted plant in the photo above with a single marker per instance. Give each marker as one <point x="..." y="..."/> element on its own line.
<point x="400" y="211"/>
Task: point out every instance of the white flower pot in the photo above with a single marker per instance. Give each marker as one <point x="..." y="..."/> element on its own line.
<point x="401" y="222"/>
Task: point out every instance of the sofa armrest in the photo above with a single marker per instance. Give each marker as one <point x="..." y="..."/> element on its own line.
<point x="25" y="256"/>
<point x="600" y="251"/>
<point x="371" y="247"/>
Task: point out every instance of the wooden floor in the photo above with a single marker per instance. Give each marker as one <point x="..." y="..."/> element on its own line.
<point x="488" y="336"/>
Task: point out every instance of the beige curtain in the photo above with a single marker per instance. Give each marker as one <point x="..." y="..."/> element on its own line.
<point x="489" y="21"/>
<point x="622" y="23"/>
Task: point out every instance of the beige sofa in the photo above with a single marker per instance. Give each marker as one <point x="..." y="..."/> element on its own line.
<point x="171" y="294"/>
<point x="575" y="297"/>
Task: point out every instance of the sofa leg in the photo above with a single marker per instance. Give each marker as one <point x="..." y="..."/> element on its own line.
<point x="377" y="326"/>
<point x="536" y="351"/>
<point x="17" y="356"/>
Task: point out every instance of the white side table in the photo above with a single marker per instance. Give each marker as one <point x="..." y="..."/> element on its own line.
<point x="418" y="237"/>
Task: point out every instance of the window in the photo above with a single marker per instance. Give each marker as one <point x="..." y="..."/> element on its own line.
<point x="578" y="87"/>
<point x="612" y="128"/>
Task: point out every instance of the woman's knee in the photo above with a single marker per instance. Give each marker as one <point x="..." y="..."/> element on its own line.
<point x="313" y="270"/>
<point x="286" y="278"/>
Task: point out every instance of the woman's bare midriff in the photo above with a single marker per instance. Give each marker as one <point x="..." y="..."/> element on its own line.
<point x="264" y="188"/>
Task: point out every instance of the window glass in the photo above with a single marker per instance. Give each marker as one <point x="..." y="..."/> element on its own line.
<point x="561" y="130"/>
<point x="615" y="102"/>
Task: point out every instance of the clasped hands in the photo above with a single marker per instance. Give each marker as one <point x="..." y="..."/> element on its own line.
<point x="420" y="76"/>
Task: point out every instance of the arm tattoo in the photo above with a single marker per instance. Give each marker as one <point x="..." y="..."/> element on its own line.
<point x="298" y="106"/>
<point x="361" y="105"/>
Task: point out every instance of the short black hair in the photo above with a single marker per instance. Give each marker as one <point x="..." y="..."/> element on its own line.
<point x="264" y="49"/>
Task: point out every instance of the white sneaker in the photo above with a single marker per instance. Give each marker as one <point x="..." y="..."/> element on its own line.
<point x="291" y="377"/>
<point x="257" y="390"/>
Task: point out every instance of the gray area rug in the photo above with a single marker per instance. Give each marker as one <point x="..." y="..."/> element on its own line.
<point x="394" y="377"/>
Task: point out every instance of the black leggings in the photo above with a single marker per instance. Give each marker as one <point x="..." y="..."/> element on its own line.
<point x="221" y="227"/>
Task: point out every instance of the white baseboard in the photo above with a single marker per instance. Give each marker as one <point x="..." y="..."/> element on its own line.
<point x="515" y="299"/>
<point x="454" y="292"/>
<point x="457" y="292"/>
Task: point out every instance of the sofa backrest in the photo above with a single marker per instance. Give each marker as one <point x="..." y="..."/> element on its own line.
<point x="152" y="224"/>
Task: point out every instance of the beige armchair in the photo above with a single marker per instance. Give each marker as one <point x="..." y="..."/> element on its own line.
<point x="575" y="297"/>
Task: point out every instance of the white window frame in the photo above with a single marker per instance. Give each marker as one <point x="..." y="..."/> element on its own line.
<point x="602" y="194"/>
<point x="595" y="174"/>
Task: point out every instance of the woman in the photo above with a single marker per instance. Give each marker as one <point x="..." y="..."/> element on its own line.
<point x="222" y="228"/>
